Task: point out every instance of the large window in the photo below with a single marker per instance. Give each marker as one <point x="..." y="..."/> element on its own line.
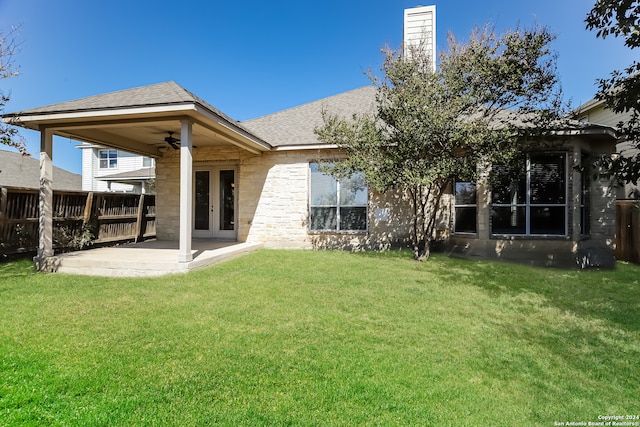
<point x="108" y="159"/>
<point x="534" y="201"/>
<point x="337" y="205"/>
<point x="465" y="207"/>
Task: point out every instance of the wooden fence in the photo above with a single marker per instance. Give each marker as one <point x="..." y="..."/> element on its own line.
<point x="628" y="230"/>
<point x="80" y="219"/>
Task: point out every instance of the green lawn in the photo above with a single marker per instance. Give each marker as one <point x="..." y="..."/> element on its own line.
<point x="321" y="338"/>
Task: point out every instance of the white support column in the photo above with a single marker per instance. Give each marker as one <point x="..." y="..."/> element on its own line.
<point x="186" y="192"/>
<point x="45" y="229"/>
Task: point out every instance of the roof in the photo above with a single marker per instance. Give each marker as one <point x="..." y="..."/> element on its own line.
<point x="295" y="126"/>
<point x="155" y="109"/>
<point x="166" y="93"/>
<point x="138" y="174"/>
<point x="21" y="171"/>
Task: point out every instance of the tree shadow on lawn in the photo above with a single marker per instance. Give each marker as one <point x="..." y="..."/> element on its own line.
<point x="607" y="295"/>
<point x="585" y="321"/>
<point x="611" y="295"/>
<point x="570" y="337"/>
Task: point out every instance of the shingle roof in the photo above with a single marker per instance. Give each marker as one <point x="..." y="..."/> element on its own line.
<point x="142" y="173"/>
<point x="167" y="93"/>
<point x="21" y="171"/>
<point x="159" y="94"/>
<point x="295" y="126"/>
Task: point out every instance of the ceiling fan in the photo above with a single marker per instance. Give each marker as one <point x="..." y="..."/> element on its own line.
<point x="173" y="142"/>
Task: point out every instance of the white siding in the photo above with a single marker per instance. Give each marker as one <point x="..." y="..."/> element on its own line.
<point x="597" y="114"/>
<point x="87" y="163"/>
<point x="420" y="29"/>
<point x="602" y="116"/>
<point x="91" y="170"/>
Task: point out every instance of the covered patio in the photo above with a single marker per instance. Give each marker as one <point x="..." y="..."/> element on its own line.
<point x="151" y="121"/>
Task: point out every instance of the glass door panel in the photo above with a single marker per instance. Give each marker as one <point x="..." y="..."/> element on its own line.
<point x="201" y="200"/>
<point x="214" y="203"/>
<point x="227" y="200"/>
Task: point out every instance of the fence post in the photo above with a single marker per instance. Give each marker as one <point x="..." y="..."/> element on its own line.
<point x="140" y="218"/>
<point x="88" y="206"/>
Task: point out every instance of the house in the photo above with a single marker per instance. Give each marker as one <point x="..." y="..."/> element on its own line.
<point x="21" y="171"/>
<point x="259" y="181"/>
<point x="594" y="111"/>
<point x="108" y="169"/>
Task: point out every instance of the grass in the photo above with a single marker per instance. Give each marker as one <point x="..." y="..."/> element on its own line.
<point x="321" y="338"/>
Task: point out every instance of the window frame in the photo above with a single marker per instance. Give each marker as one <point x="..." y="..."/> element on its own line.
<point x="528" y="205"/>
<point x="457" y="206"/>
<point x="338" y="206"/>
<point x="110" y="161"/>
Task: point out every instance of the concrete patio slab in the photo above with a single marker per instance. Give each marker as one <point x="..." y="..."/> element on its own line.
<point x="149" y="258"/>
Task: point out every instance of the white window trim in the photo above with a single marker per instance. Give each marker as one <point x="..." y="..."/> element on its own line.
<point x="107" y="159"/>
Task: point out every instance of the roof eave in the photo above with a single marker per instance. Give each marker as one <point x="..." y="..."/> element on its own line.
<point x="305" y="147"/>
<point x="592" y="131"/>
<point x="234" y="127"/>
<point x="36" y="120"/>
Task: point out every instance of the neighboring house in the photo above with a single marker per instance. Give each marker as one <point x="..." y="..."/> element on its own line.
<point x="21" y="171"/>
<point x="595" y="111"/>
<point x="108" y="169"/>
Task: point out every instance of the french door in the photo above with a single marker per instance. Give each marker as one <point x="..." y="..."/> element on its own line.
<point x="214" y="203"/>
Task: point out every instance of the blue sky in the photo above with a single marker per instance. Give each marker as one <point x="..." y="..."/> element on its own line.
<point x="253" y="58"/>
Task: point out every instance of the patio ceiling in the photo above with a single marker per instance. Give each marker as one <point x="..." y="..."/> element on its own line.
<point x="137" y="120"/>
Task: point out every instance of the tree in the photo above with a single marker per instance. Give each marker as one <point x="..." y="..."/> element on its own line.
<point x="8" y="135"/>
<point x="621" y="91"/>
<point x="432" y="127"/>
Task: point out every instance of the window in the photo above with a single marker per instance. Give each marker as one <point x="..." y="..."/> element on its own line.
<point x="534" y="201"/>
<point x="108" y="159"/>
<point x="465" y="207"/>
<point x="337" y="205"/>
<point x="147" y="162"/>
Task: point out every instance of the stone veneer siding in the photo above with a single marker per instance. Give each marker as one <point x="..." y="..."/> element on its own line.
<point x="273" y="199"/>
<point x="595" y="249"/>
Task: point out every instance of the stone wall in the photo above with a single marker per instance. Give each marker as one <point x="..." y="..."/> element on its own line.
<point x="595" y="249"/>
<point x="273" y="199"/>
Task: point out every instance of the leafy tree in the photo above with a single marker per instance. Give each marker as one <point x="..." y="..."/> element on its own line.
<point x="621" y="91"/>
<point x="434" y="126"/>
<point x="8" y="135"/>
